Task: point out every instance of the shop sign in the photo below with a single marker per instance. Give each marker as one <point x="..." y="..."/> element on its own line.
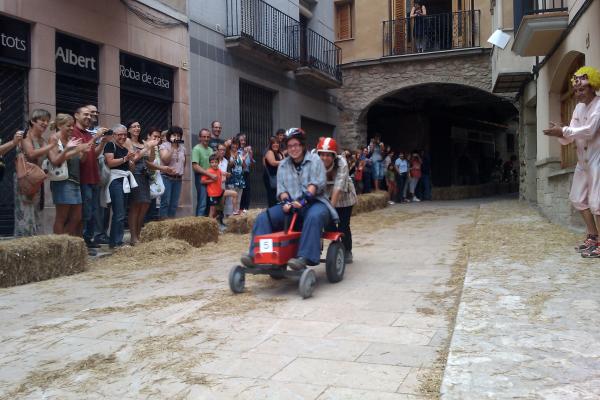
<point x="14" y="41"/>
<point x="145" y="77"/>
<point x="76" y="58"/>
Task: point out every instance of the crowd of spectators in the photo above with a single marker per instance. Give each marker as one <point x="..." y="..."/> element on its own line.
<point x="405" y="175"/>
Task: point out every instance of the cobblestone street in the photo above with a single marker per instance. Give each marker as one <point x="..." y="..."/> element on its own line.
<point x="526" y="325"/>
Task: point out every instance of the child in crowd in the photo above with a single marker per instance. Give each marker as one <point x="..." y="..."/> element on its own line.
<point x="214" y="187"/>
<point x="390" y="181"/>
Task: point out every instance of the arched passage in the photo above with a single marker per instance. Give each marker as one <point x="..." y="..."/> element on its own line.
<point x="464" y="129"/>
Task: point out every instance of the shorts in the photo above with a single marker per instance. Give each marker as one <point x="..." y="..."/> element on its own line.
<point x="65" y="192"/>
<point x="378" y="171"/>
<point x="215" y="201"/>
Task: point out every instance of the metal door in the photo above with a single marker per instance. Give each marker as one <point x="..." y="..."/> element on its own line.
<point x="146" y="110"/>
<point x="74" y="93"/>
<point x="256" y="121"/>
<point x="13" y="114"/>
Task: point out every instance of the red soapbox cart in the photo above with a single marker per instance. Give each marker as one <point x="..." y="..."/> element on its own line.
<point x="273" y="251"/>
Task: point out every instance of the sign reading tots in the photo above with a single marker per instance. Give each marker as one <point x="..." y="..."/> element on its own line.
<point x="14" y="41"/>
<point x="145" y="77"/>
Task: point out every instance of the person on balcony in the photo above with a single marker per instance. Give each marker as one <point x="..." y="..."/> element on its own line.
<point x="417" y="13"/>
<point x="584" y="130"/>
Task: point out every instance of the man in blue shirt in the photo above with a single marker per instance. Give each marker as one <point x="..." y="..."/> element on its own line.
<point x="301" y="182"/>
<point x="401" y="165"/>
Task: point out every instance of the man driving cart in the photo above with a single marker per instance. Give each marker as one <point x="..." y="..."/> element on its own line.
<point x="301" y="181"/>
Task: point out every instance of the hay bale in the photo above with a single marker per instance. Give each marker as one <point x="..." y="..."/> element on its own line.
<point x="155" y="248"/>
<point x="38" y="258"/>
<point x="370" y="202"/>
<point x="196" y="231"/>
<point x="242" y="224"/>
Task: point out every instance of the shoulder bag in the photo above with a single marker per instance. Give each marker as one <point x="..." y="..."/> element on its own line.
<point x="29" y="176"/>
<point x="56" y="173"/>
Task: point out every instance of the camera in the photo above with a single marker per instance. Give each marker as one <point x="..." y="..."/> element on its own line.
<point x="179" y="141"/>
<point x="108" y="133"/>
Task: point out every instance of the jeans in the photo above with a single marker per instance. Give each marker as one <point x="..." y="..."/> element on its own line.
<point x="313" y="217"/>
<point x="202" y="197"/>
<point x="170" y="198"/>
<point x="118" y="204"/>
<point x="367" y="182"/>
<point x="271" y="192"/>
<point x="400" y="183"/>
<point x="426" y="185"/>
<point x="90" y="197"/>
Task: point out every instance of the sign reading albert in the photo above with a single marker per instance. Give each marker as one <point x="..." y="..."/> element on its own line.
<point x="76" y="58"/>
<point x="14" y="41"/>
<point x="145" y="77"/>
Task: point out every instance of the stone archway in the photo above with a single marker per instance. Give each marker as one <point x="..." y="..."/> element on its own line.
<point x="365" y="84"/>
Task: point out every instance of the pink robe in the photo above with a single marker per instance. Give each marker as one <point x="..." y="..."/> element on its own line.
<point x="584" y="130"/>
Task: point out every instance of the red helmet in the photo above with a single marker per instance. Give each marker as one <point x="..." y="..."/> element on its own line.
<point x="327" y="145"/>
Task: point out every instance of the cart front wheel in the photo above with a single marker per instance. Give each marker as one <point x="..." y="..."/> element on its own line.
<point x="335" y="262"/>
<point x="308" y="281"/>
<point x="237" y="279"/>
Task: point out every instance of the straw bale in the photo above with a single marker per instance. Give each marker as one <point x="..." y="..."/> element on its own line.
<point x="197" y="231"/>
<point x="242" y="223"/>
<point x="370" y="202"/>
<point x="38" y="258"/>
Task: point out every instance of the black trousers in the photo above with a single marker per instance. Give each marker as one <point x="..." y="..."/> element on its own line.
<point x="344" y="226"/>
<point x="245" y="201"/>
<point x="271" y="193"/>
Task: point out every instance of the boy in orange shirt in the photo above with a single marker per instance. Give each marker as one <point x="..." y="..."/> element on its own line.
<point x="215" y="189"/>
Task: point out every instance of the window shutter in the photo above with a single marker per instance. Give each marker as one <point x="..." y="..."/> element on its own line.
<point x="344" y="21"/>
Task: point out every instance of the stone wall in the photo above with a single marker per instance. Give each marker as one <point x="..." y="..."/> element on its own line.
<point x="553" y="187"/>
<point x="366" y="84"/>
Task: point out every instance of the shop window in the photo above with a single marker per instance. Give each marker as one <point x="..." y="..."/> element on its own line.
<point x="568" y="153"/>
<point x="343" y="20"/>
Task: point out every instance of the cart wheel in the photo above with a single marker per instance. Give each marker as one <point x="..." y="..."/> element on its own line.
<point x="237" y="279"/>
<point x="335" y="262"/>
<point x="308" y="281"/>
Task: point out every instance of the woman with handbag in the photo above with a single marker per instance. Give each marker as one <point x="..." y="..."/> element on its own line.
<point x="28" y="182"/>
<point x="63" y="173"/>
<point x="271" y="162"/>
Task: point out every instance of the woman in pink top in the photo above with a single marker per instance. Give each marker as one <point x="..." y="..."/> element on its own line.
<point x="172" y="154"/>
<point x="415" y="175"/>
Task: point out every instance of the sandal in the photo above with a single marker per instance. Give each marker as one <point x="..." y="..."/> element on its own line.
<point x="591" y="252"/>
<point x="236" y="212"/>
<point x="589" y="242"/>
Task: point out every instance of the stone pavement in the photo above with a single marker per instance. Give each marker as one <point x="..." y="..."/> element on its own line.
<point x="529" y="317"/>
<point x="168" y="327"/>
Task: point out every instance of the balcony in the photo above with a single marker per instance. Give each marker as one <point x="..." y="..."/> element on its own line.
<point x="320" y="59"/>
<point x="431" y="33"/>
<point x="259" y="31"/>
<point x="540" y="24"/>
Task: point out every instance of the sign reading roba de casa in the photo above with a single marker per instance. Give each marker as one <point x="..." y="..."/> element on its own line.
<point x="14" y="41"/>
<point x="76" y="58"/>
<point x="146" y="77"/>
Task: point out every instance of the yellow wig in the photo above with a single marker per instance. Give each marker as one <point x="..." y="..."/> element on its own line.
<point x="592" y="74"/>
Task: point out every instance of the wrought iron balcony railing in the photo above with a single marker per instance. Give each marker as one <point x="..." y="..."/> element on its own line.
<point x="531" y="7"/>
<point x="437" y="32"/>
<point x="264" y="25"/>
<point x="269" y="28"/>
<point x="321" y="54"/>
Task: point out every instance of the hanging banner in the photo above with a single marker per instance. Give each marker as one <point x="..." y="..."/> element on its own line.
<point x="145" y="77"/>
<point x="76" y="58"/>
<point x="14" y="41"/>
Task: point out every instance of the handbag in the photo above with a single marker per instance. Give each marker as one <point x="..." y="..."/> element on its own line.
<point x="29" y="176"/>
<point x="157" y="187"/>
<point x="56" y="173"/>
<point x="104" y="171"/>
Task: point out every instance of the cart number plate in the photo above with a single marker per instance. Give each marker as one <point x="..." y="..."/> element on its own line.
<point x="266" y="245"/>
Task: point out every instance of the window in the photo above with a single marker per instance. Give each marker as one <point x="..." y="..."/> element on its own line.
<point x="343" y="20"/>
<point x="568" y="153"/>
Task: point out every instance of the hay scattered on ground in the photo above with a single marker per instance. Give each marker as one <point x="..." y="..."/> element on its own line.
<point x="38" y="258"/>
<point x="197" y="231"/>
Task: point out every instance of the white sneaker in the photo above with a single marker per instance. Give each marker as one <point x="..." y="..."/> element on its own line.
<point x="391" y="203"/>
<point x="416" y="199"/>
